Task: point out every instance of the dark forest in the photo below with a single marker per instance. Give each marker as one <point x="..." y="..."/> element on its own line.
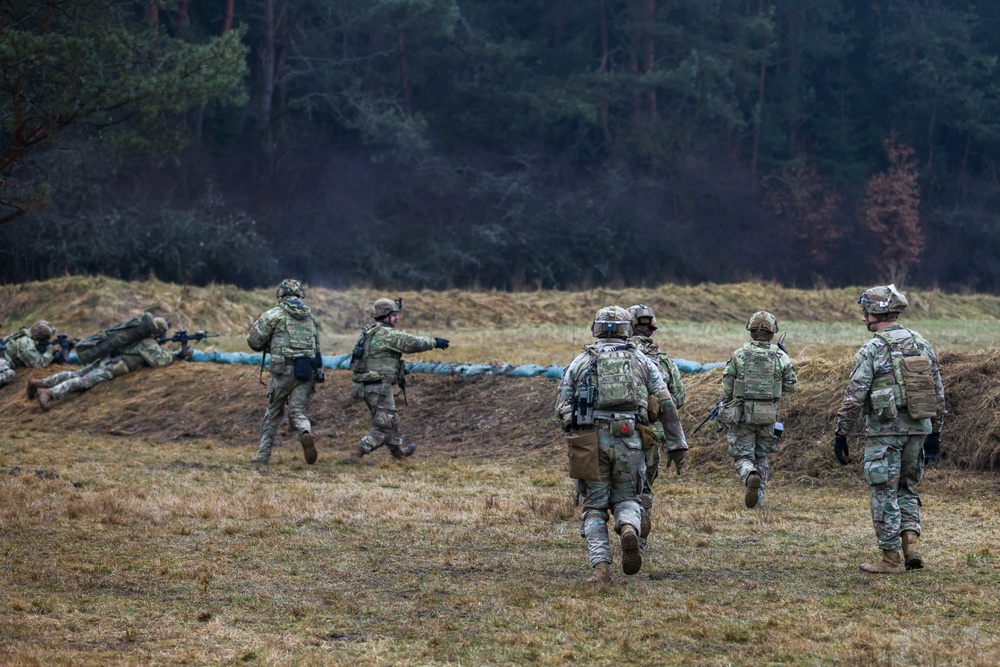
<point x="501" y="144"/>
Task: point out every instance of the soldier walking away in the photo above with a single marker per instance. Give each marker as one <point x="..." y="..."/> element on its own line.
<point x="377" y="367"/>
<point x="145" y="351"/>
<point x="896" y="380"/>
<point x="643" y="326"/>
<point x="755" y="377"/>
<point x="26" y="348"/>
<point x="603" y="398"/>
<point x="290" y="333"/>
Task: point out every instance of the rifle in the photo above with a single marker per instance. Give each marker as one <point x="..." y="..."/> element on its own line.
<point x="402" y="381"/>
<point x="182" y="336"/>
<point x="781" y="343"/>
<point x="63" y="342"/>
<point x="713" y="413"/>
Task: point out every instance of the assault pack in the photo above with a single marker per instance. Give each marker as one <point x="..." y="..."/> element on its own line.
<point x="759" y="388"/>
<point x="109" y="341"/>
<point x="911" y="369"/>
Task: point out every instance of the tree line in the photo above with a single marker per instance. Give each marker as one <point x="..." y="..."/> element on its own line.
<point x="505" y="144"/>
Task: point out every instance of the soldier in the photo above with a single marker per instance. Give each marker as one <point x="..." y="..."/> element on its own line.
<point x="752" y="384"/>
<point x="376" y="366"/>
<point x="643" y="326"/>
<point x="896" y="381"/>
<point x="22" y="349"/>
<point x="290" y="333"/>
<point x="602" y="397"/>
<point x="144" y="352"/>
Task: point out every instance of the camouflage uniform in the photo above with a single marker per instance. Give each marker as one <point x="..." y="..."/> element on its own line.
<point x="894" y="457"/>
<point x="20" y="350"/>
<point x="379" y="370"/>
<point x="750" y="444"/>
<point x="146" y="352"/>
<point x="288" y="331"/>
<point x="621" y="460"/>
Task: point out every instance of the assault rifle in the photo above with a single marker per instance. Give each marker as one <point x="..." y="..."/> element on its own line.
<point x="63" y="342"/>
<point x="182" y="336"/>
<point x="713" y="413"/>
<point x="781" y="343"/>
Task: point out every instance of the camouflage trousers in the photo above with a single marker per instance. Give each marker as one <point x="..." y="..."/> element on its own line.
<point x="83" y="379"/>
<point x="894" y="464"/>
<point x="623" y="469"/>
<point x="378" y="396"/>
<point x="749" y="446"/>
<point x="6" y="372"/>
<point x="282" y="391"/>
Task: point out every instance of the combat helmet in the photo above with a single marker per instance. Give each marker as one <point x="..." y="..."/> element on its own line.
<point x="291" y="287"/>
<point x="762" y="321"/>
<point x="612" y="322"/>
<point x="882" y="300"/>
<point x="642" y="316"/>
<point x="42" y="330"/>
<point x="384" y="307"/>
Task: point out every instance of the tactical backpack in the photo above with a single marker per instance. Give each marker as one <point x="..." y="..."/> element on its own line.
<point x="615" y="385"/>
<point x="911" y="368"/>
<point x="758" y="387"/>
<point x="111" y="340"/>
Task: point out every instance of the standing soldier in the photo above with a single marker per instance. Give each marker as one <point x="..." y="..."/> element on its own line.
<point x="22" y="349"/>
<point x="643" y="326"/>
<point x="376" y="366"/>
<point x="752" y="384"/>
<point x="291" y="334"/>
<point x="602" y="398"/>
<point x="896" y="380"/>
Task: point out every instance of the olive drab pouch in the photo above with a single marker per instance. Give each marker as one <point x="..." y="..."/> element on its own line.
<point x="303" y="369"/>
<point x="883" y="404"/>
<point x="730" y="412"/>
<point x="615" y="381"/>
<point x="759" y="413"/>
<point x="648" y="435"/>
<point x="653" y="409"/>
<point x="582" y="447"/>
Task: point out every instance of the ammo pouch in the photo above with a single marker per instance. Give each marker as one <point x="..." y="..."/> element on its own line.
<point x="759" y="413"/>
<point x="303" y="368"/>
<point x="883" y="404"/>
<point x="729" y="412"/>
<point x="582" y="448"/>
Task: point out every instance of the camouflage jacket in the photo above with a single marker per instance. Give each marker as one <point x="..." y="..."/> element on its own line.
<point x="384" y="349"/>
<point x="671" y="374"/>
<point x="646" y="373"/>
<point x="872" y="364"/>
<point x="287" y="331"/>
<point x="21" y="351"/>
<point x="146" y="352"/>
<point x="784" y="372"/>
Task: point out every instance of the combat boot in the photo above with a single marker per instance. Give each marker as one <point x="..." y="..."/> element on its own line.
<point x="262" y="456"/>
<point x="33" y="387"/>
<point x="602" y="574"/>
<point x="911" y="550"/>
<point x="45" y="399"/>
<point x="355" y="456"/>
<point x="646" y="517"/>
<point x="631" y="554"/>
<point x="752" y="494"/>
<point x="403" y="452"/>
<point x="308" y="446"/>
<point x="891" y="563"/>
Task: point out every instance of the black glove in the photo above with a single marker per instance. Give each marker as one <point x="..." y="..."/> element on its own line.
<point x="441" y="343"/>
<point x="932" y="447"/>
<point x="840" y="449"/>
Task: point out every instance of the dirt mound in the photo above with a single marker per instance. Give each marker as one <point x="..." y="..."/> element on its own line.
<point x="484" y="416"/>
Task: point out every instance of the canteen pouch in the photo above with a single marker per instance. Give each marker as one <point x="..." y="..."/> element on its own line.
<point x="303" y="369"/>
<point x="759" y="413"/>
<point x="582" y="449"/>
<point x="883" y="404"/>
<point x="729" y="412"/>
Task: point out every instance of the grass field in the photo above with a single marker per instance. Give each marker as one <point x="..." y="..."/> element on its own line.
<point x="133" y="530"/>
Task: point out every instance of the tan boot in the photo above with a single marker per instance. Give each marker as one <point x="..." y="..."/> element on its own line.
<point x="911" y="550"/>
<point x="45" y="399"/>
<point x="602" y="574"/>
<point x="631" y="554"/>
<point x="308" y="446"/>
<point x="33" y="387"/>
<point x="355" y="457"/>
<point x="891" y="563"/>
<point x="752" y="494"/>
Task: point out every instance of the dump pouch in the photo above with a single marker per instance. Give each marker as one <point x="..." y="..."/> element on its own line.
<point x="303" y="369"/>
<point x="582" y="447"/>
